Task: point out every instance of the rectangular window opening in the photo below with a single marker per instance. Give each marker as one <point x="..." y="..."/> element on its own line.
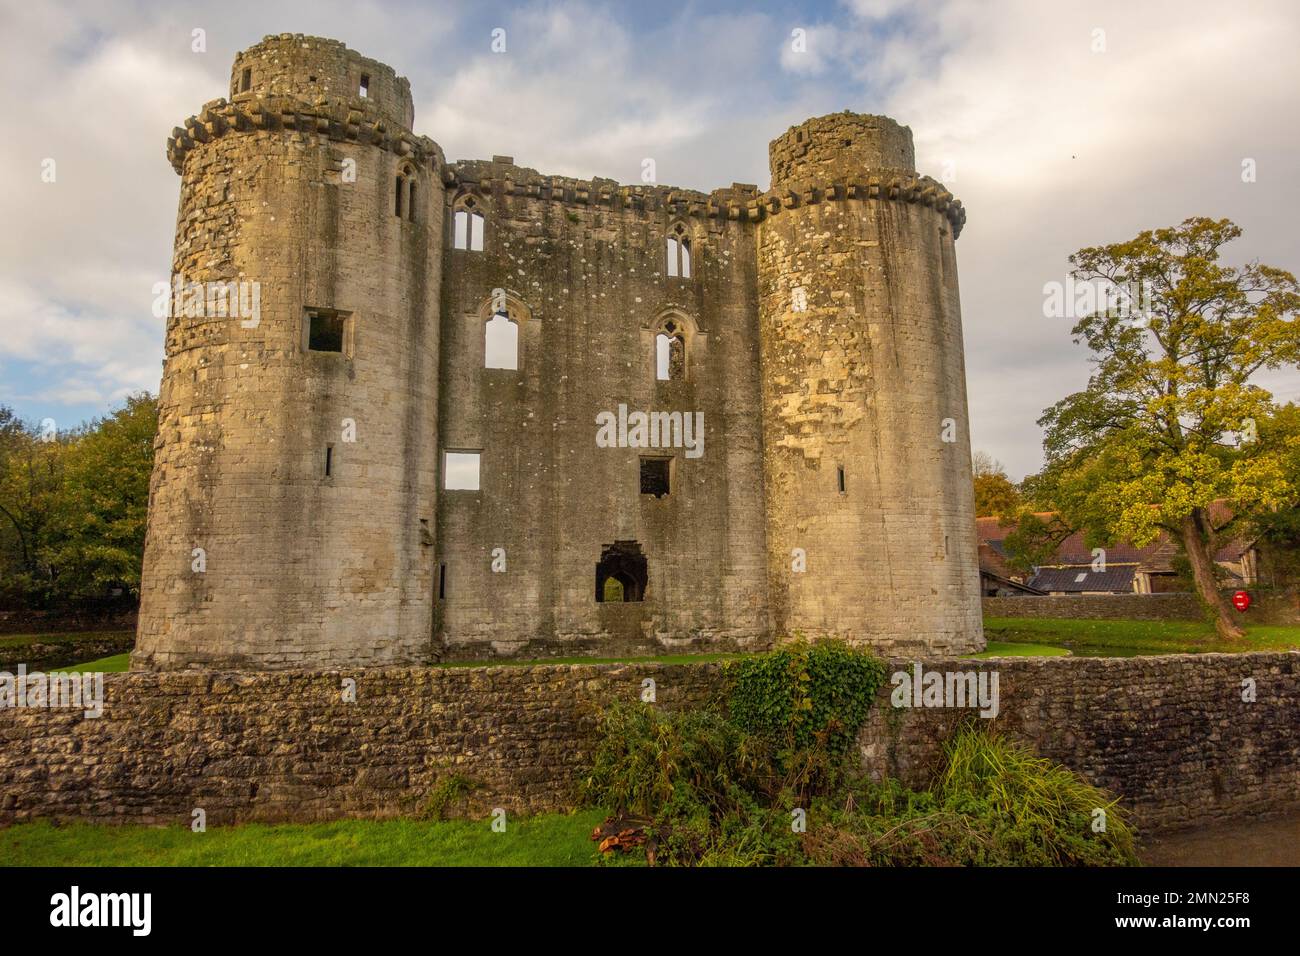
<point x="246" y="80"/>
<point x="442" y="582"/>
<point x="656" y="476"/>
<point x="364" y="89"/>
<point x="840" y="478"/>
<point x="326" y="330"/>
<point x="460" y="470"/>
<point x="329" y="460"/>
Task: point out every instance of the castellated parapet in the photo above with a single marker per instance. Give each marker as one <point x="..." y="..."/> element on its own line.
<point x="402" y="457"/>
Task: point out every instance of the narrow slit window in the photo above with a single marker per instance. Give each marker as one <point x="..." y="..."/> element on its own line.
<point x="246" y="80"/>
<point x="363" y="88"/>
<point x="404" y="194"/>
<point x="840" y="478"/>
<point x="329" y="460"/>
<point x="442" y="582"/>
<point x="460" y="471"/>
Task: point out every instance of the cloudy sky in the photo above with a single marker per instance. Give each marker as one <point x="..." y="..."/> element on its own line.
<point x="1050" y="142"/>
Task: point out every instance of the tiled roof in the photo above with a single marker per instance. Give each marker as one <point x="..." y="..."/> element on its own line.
<point x="1081" y="577"/>
<point x="1157" y="556"/>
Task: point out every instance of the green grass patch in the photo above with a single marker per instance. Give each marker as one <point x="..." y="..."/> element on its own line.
<point x="1091" y="638"/>
<point x="544" y="840"/>
<point x="1010" y="649"/>
<point x="109" y="665"/>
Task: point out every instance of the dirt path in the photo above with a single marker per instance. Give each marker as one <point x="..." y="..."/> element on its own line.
<point x="1274" y="842"/>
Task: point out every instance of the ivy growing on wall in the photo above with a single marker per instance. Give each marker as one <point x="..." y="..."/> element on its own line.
<point x="805" y="694"/>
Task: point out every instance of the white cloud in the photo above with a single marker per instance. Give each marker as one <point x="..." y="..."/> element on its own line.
<point x="1053" y="147"/>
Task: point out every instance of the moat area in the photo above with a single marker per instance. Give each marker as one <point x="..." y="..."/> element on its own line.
<point x="1270" y="842"/>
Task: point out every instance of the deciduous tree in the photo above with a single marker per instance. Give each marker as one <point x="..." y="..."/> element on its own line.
<point x="1171" y="419"/>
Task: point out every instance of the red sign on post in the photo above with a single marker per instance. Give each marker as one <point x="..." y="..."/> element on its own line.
<point x="1241" y="600"/>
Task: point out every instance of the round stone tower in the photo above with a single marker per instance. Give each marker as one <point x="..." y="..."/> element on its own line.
<point x="292" y="500"/>
<point x="867" y="459"/>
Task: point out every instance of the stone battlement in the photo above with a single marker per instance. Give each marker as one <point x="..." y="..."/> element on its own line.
<point x="343" y="120"/>
<point x="335" y="120"/>
<point x="725" y="203"/>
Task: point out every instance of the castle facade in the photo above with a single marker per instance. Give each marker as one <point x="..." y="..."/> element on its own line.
<point x="480" y="411"/>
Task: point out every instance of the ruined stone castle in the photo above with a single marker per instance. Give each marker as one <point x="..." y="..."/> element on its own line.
<point x="481" y="411"/>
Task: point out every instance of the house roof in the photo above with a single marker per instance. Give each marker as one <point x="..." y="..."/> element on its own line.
<point x="1155" y="557"/>
<point x="993" y="559"/>
<point x="1009" y="583"/>
<point x="1081" y="577"/>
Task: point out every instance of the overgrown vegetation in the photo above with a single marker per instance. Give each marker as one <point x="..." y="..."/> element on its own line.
<point x="451" y="790"/>
<point x="730" y="785"/>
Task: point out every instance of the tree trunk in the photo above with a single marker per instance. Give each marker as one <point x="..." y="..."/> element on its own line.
<point x="1198" y="556"/>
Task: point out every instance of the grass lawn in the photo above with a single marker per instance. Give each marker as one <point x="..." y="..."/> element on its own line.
<point x="1023" y="649"/>
<point x="1007" y="637"/>
<point x="545" y="840"/>
<point x="1088" y="638"/>
<point x="109" y="665"/>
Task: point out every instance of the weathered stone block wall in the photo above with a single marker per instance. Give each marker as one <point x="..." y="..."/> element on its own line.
<point x="863" y="375"/>
<point x="311" y="69"/>
<point x="1170" y="734"/>
<point x="583" y="267"/>
<point x="297" y="563"/>
<point x="1267" y="607"/>
<point x="290" y="184"/>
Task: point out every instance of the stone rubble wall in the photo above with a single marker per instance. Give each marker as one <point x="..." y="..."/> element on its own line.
<point x="1170" y="734"/>
<point x="1267" y="607"/>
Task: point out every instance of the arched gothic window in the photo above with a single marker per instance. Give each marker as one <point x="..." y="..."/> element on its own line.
<point x="467" y="226"/>
<point x="670" y="352"/>
<point x="679" y="253"/>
